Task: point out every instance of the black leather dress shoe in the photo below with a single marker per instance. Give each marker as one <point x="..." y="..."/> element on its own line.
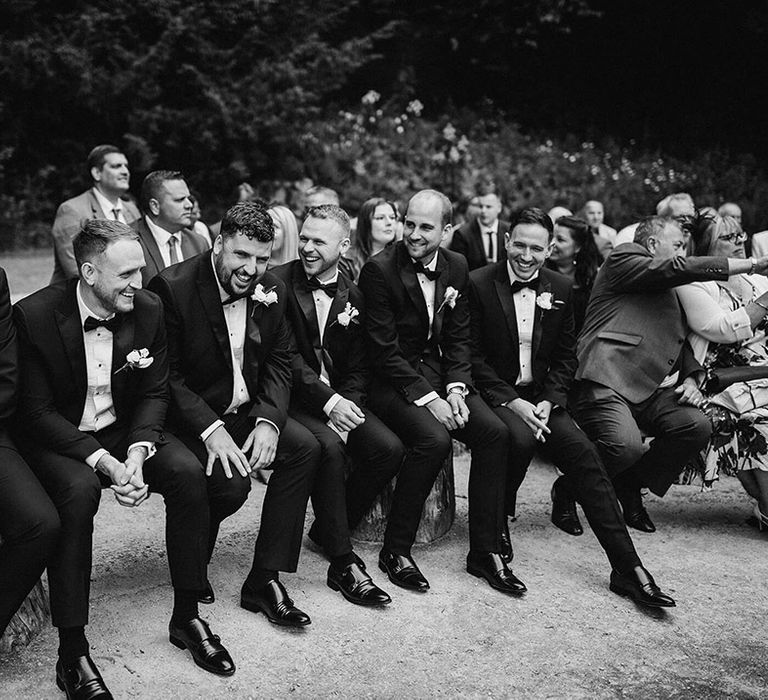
<point x="402" y="571"/>
<point x="354" y="583"/>
<point x="274" y="602"/>
<point x="507" y="553"/>
<point x="207" y="650"/>
<point x="564" y="513"/>
<point x="206" y="595"/>
<point x="639" y="585"/>
<point x="639" y="520"/>
<point x="492" y="567"/>
<point x="81" y="680"/>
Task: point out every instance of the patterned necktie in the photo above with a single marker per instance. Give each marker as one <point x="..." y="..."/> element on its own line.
<point x="330" y="289"/>
<point x="517" y="285"/>
<point x="91" y="324"/>
<point x="172" y="243"/>
<point x="431" y="275"/>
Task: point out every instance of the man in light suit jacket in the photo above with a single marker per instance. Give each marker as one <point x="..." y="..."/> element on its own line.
<point x="165" y="229"/>
<point x="481" y="240"/>
<point x="418" y="325"/>
<point x="230" y="348"/>
<point x="330" y="390"/>
<point x="92" y="405"/>
<point x="636" y="369"/>
<point x="106" y="199"/>
<point x="524" y="359"/>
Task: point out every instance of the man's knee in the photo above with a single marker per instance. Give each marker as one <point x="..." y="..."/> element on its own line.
<point x="79" y="498"/>
<point x="620" y="453"/>
<point x="435" y="442"/>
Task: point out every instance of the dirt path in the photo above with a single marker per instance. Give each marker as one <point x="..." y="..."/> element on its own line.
<point x="569" y="637"/>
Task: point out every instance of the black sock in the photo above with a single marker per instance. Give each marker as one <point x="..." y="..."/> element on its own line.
<point x="258" y="578"/>
<point x="184" y="605"/>
<point x="344" y="560"/>
<point x="72" y="644"/>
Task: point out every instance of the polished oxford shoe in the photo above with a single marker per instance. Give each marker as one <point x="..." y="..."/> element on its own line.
<point x="207" y="650"/>
<point x="564" y="513"/>
<point x="274" y="602"/>
<point x="639" y="585"/>
<point x="81" y="680"/>
<point x="206" y="595"/>
<point x="492" y="567"/>
<point x="639" y="520"/>
<point x="507" y="553"/>
<point x="356" y="585"/>
<point x="402" y="571"/>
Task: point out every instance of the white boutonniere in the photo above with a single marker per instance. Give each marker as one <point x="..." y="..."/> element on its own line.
<point x="137" y="359"/>
<point x="450" y="297"/>
<point x="348" y="316"/>
<point x="267" y="297"/>
<point x="544" y="301"/>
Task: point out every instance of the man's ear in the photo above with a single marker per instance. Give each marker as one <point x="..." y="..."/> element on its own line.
<point x="154" y="206"/>
<point x="446" y="232"/>
<point x="651" y="244"/>
<point x="88" y="273"/>
<point x="218" y="243"/>
<point x="345" y="243"/>
<point x="96" y="174"/>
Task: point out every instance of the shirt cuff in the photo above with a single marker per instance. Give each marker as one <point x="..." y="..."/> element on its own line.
<point x="424" y="400"/>
<point x="93" y="459"/>
<point x="741" y="324"/>
<point x="266" y="420"/>
<point x="151" y="449"/>
<point x="330" y="403"/>
<point x="460" y="385"/>
<point x="209" y="430"/>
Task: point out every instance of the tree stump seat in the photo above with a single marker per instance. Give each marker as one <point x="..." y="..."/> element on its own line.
<point x="436" y="518"/>
<point x="28" y="620"/>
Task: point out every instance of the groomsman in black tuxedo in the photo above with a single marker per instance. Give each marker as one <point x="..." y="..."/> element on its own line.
<point x="93" y="399"/>
<point x="417" y="316"/>
<point x="524" y="361"/>
<point x="230" y="349"/>
<point x="29" y="524"/>
<point x="330" y="390"/>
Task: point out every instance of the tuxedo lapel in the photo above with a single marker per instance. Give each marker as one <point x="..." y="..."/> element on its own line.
<point x="150" y="244"/>
<point x="504" y="294"/>
<point x="337" y="306"/>
<point x="71" y="331"/>
<point x="538" y="319"/>
<point x="441" y="284"/>
<point x="122" y="344"/>
<point x="307" y="305"/>
<point x="411" y="284"/>
<point x="96" y="211"/>
<point x="211" y="300"/>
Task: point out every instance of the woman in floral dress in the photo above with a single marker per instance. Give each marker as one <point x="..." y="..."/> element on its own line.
<point x="727" y="326"/>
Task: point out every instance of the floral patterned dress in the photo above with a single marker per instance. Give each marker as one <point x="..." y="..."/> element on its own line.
<point x="739" y="437"/>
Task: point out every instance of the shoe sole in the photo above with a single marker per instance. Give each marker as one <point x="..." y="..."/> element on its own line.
<point x="357" y="601"/>
<point x="629" y="594"/>
<point x="400" y="584"/>
<point x="567" y="532"/>
<point x="480" y="574"/>
<point x="180" y="644"/>
<point x="255" y="608"/>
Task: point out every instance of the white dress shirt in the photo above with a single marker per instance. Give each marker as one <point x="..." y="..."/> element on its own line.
<point x="162" y="237"/>
<point x="236" y="317"/>
<point x="525" y="311"/>
<point x="99" y="408"/>
<point x="112" y="211"/>
<point x="428" y="291"/>
<point x="489" y="240"/>
<point x="323" y="309"/>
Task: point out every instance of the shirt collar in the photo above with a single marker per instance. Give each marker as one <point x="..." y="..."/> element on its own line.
<point x="106" y="206"/>
<point x="494" y="227"/>
<point x="432" y="265"/>
<point x="161" y="235"/>
<point x="514" y="278"/>
<point x="85" y="311"/>
<point x="333" y="279"/>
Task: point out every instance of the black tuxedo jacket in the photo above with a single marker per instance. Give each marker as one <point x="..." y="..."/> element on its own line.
<point x="53" y="375"/>
<point x="191" y="244"/>
<point x="9" y="372"/>
<point x="496" y="360"/>
<point x="201" y="376"/>
<point x="398" y="323"/>
<point x="469" y="241"/>
<point x="343" y="348"/>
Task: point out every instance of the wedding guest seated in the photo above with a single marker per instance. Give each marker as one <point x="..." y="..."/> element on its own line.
<point x="636" y="370"/>
<point x="376" y="229"/>
<point x="481" y="240"/>
<point x="605" y="236"/>
<point x="29" y="524"/>
<point x="727" y="323"/>
<point x="285" y="247"/>
<point x="575" y="255"/>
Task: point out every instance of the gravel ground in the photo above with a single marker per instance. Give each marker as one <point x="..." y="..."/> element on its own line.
<point x="568" y="638"/>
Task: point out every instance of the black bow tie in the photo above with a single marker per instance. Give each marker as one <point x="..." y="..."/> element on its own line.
<point x="330" y="289"/>
<point x="232" y="299"/>
<point x="91" y="324"/>
<point x="517" y="285"/>
<point x="431" y="275"/>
